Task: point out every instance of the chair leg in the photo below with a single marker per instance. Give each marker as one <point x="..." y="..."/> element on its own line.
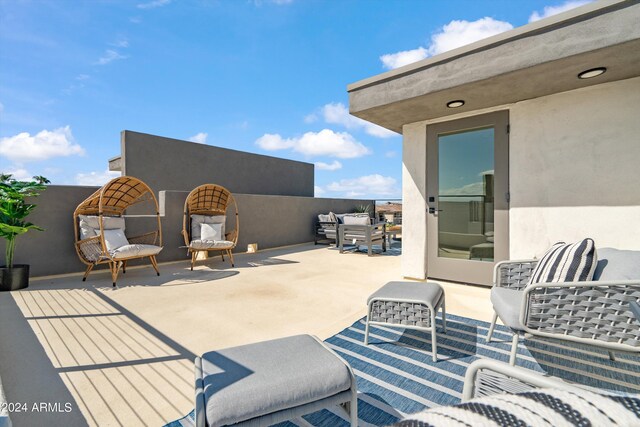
<point x="492" y="327"/>
<point x="222" y="255"/>
<point x="444" y="316"/>
<point x="514" y="348"/>
<point x="154" y="263"/>
<point x="231" y="257"/>
<point x="366" y="327"/>
<point x="86" y="273"/>
<point x="612" y="356"/>
<point x="194" y="254"/>
<point x="353" y="409"/>
<point x="124" y="267"/>
<point x="434" y="337"/>
<point x="114" y="266"/>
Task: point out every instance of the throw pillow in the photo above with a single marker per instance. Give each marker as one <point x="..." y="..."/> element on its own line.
<point x="211" y="232"/>
<point x="115" y="239"/>
<point x="567" y="263"/>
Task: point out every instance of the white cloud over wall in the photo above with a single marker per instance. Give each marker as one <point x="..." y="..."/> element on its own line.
<point x="21" y="174"/>
<point x="335" y="165"/>
<point x="338" y="113"/>
<point x="324" y="143"/>
<point x="153" y="4"/>
<point x="44" y="145"/>
<point x="318" y="191"/>
<point x="200" y="138"/>
<point x="369" y="185"/>
<point x="455" y="34"/>
<point x="110" y="55"/>
<point x="554" y="10"/>
<point x="96" y="178"/>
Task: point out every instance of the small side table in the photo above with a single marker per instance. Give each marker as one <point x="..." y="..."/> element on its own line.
<point x="410" y="305"/>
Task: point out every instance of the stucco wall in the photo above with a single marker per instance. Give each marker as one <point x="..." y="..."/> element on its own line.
<point x="574" y="172"/>
<point x="270" y="221"/>
<point x="414" y="190"/>
<point x="575" y="168"/>
<point x="172" y="164"/>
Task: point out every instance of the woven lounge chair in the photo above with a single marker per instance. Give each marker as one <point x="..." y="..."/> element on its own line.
<point x="99" y="227"/>
<point x="596" y="312"/>
<point x="496" y="393"/>
<point x="208" y="207"/>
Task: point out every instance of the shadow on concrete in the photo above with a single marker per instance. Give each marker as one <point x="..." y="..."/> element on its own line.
<point x="81" y="348"/>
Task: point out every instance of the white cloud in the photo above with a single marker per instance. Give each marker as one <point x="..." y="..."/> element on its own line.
<point x="451" y="36"/>
<point x="323" y="143"/>
<point x="121" y="43"/>
<point x="135" y="20"/>
<point x="96" y="178"/>
<point x="390" y="154"/>
<point x="398" y="59"/>
<point x="554" y="10"/>
<point x="369" y="185"/>
<point x="472" y="189"/>
<point x="311" y="118"/>
<point x="273" y="142"/>
<point x="281" y="2"/>
<point x="81" y="77"/>
<point x="44" y="145"/>
<point x="337" y="113"/>
<point x="318" y="191"/>
<point x="20" y="174"/>
<point x="200" y="138"/>
<point x="153" y="4"/>
<point x="335" y="165"/>
<point x="110" y="55"/>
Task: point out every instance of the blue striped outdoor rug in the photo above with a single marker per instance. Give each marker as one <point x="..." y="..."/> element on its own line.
<point x="396" y="375"/>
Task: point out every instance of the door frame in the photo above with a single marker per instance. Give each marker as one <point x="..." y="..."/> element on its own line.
<point x="459" y="270"/>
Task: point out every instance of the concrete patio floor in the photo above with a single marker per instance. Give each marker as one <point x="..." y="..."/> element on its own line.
<point x="123" y="357"/>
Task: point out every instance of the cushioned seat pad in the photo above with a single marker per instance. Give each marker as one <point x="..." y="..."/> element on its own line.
<point x="507" y="303"/>
<point x="427" y="293"/>
<point x="211" y="244"/>
<point x="135" y="250"/>
<point x="250" y="381"/>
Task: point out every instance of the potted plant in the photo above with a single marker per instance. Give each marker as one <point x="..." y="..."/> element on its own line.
<point x="13" y="211"/>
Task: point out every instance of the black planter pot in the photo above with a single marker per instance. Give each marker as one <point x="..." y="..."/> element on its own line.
<point x="14" y="278"/>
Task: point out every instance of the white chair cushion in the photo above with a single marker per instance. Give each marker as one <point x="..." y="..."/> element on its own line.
<point x="198" y="220"/>
<point x="211" y="244"/>
<point x="356" y="220"/>
<point x="90" y="226"/>
<point x="134" y="251"/>
<point x="115" y="239"/>
<point x="211" y="232"/>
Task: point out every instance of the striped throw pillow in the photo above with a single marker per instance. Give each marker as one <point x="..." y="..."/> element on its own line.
<point x="567" y="263"/>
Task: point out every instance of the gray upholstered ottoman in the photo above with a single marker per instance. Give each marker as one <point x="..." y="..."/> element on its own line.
<point x="410" y="305"/>
<point x="272" y="381"/>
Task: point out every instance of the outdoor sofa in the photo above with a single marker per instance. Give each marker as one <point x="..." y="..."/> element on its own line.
<point x="326" y="226"/>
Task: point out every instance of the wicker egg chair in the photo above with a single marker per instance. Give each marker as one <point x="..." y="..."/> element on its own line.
<point x="210" y="204"/>
<point x="99" y="226"/>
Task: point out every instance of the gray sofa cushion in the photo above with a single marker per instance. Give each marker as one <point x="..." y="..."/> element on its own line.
<point x="249" y="381"/>
<point x="507" y="304"/>
<point x="356" y="220"/>
<point x="135" y="250"/>
<point x="616" y="264"/>
<point x="428" y="293"/>
<point x="198" y="220"/>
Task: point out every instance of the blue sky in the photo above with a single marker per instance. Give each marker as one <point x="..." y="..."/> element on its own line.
<point x="264" y="76"/>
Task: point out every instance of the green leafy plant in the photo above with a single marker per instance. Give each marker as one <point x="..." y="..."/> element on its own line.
<point x="14" y="209"/>
<point x="362" y="209"/>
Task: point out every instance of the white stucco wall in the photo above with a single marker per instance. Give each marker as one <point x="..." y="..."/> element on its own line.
<point x="575" y="168"/>
<point x="414" y="215"/>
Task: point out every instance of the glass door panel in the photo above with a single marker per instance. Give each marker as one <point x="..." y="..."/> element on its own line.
<point x="465" y="195"/>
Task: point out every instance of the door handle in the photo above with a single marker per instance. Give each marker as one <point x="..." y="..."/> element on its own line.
<point x="434" y="210"/>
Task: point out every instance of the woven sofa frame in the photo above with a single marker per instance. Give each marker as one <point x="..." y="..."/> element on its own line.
<point x="596" y="313"/>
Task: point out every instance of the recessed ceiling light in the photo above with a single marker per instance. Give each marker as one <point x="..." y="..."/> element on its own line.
<point x="593" y="72"/>
<point x="455" y="104"/>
